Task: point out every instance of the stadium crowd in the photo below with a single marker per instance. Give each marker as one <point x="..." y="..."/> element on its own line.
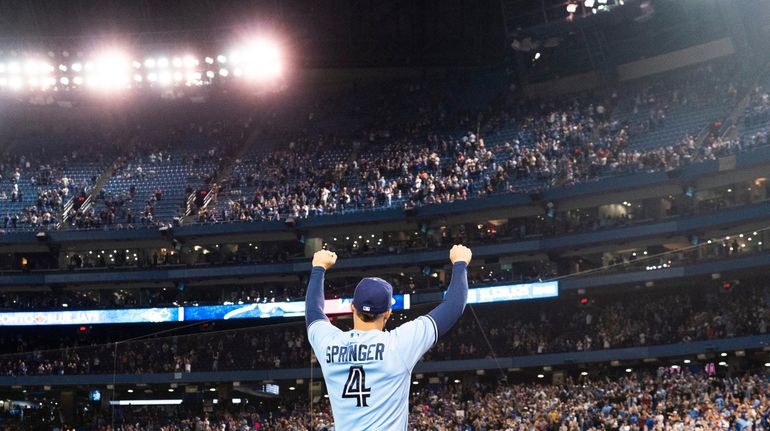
<point x="395" y="160"/>
<point x="669" y="398"/>
<point x="514" y="329"/>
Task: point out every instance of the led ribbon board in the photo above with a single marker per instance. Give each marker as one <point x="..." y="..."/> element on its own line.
<point x="513" y="292"/>
<point x="180" y="314"/>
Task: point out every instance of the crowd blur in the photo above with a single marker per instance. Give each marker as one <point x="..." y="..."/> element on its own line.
<point x="514" y="329"/>
<point x="669" y="398"/>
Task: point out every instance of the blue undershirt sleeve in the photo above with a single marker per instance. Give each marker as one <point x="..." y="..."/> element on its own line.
<point x="314" y="298"/>
<point x="451" y="308"/>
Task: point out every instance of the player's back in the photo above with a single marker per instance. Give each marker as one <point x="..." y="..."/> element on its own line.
<point x="368" y="373"/>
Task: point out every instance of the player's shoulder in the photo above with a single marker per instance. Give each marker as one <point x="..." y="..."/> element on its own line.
<point x="322" y="329"/>
<point x="422" y="324"/>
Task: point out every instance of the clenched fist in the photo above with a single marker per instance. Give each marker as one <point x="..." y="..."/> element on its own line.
<point x="460" y="253"/>
<point x="324" y="258"/>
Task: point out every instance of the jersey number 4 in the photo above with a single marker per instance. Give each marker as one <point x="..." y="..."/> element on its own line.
<point x="356" y="388"/>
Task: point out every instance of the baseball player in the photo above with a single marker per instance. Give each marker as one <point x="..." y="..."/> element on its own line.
<point x="368" y="370"/>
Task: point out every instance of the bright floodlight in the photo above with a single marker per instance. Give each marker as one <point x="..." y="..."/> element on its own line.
<point x="138" y="77"/>
<point x="163" y="62"/>
<point x="221" y="58"/>
<point x="64" y="80"/>
<point x="15" y="83"/>
<point x="572" y="8"/>
<point x="589" y="3"/>
<point x="14" y="67"/>
<point x="209" y="60"/>
<point x="235" y="57"/>
<point x="31" y="67"/>
<point x="190" y="61"/>
<point x="164" y="78"/>
<point x="177" y="62"/>
<point x="193" y="77"/>
<point x="152" y="77"/>
<point x="262" y="60"/>
<point x="77" y="67"/>
<point x="110" y="70"/>
<point x="210" y="74"/>
<point x="78" y="80"/>
<point x="63" y="67"/>
<point x="223" y="72"/>
<point x="149" y="63"/>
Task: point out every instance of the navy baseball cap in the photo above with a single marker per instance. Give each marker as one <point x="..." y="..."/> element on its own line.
<point x="373" y="295"/>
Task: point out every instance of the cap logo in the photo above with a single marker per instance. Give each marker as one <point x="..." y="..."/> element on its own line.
<point x="366" y="308"/>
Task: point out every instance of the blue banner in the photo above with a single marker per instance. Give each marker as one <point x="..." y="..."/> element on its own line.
<point x="180" y="314"/>
<point x="91" y="317"/>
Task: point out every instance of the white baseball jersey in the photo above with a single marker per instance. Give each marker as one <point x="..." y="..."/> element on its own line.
<point x="368" y="373"/>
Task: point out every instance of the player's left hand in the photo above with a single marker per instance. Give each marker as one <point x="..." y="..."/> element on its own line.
<point x="324" y="258"/>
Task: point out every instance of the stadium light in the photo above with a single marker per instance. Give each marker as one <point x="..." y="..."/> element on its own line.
<point x="572" y="8"/>
<point x="589" y="3"/>
<point x="235" y="57"/>
<point x="193" y="77"/>
<point x="77" y="67"/>
<point x="177" y="62"/>
<point x="190" y="61"/>
<point x="149" y="63"/>
<point x="164" y="78"/>
<point x="110" y="70"/>
<point x="162" y="62"/>
<point x="224" y="72"/>
<point x="15" y="83"/>
<point x="258" y="60"/>
<point x="209" y="60"/>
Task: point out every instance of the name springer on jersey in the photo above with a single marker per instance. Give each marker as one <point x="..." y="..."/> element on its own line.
<point x="355" y="353"/>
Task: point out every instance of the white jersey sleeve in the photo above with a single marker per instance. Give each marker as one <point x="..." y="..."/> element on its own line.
<point x="414" y="338"/>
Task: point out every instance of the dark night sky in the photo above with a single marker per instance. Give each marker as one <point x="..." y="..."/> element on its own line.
<point x="320" y="32"/>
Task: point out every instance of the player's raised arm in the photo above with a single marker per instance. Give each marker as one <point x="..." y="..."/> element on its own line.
<point x="451" y="308"/>
<point x="314" y="298"/>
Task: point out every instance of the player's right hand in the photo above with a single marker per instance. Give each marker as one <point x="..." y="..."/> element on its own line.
<point x="460" y="253"/>
<point x="324" y="258"/>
